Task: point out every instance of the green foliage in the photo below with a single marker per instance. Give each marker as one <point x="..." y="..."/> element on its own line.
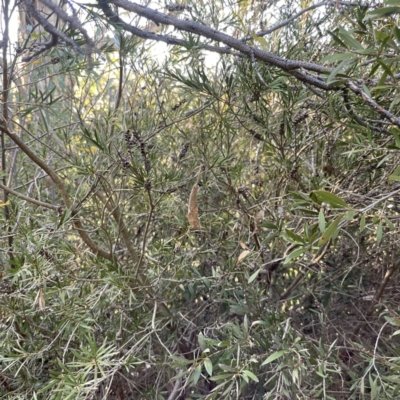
<point x="289" y="288"/>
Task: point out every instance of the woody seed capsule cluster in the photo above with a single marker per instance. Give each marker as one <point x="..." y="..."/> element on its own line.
<point x="124" y="161"/>
<point x="134" y="139"/>
<point x="282" y="128"/>
<point x="299" y="118"/>
<point x="181" y="103"/>
<point x="184" y="150"/>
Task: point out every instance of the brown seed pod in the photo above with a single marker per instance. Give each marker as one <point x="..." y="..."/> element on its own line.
<point x="147" y="164"/>
<point x="176" y="106"/>
<point x="282" y="128"/>
<point x="147" y="185"/>
<point x="184" y="150"/>
<point x="298" y="118"/>
<point x="124" y="161"/>
<point x="193" y="211"/>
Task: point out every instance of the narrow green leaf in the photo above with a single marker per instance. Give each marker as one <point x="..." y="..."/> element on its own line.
<point x="337" y="57"/>
<point x="250" y="375"/>
<point x="197" y="373"/>
<point x="374" y="389"/>
<point x="381" y="13"/>
<point x="338" y="70"/>
<point x="362" y="385"/>
<point x="321" y="221"/>
<point x="396" y="135"/>
<point x="379" y="232"/>
<point x="396" y="32"/>
<point x="362" y="223"/>
<point x="202" y="342"/>
<point x="320" y="196"/>
<point x="389" y="224"/>
<point x="208" y="366"/>
<point x="64" y="217"/>
<point x="294" y="254"/>
<point x="254" y="276"/>
<point x="349" y="39"/>
<point x="294" y="237"/>
<point x="221" y="377"/>
<point x="331" y="231"/>
<point x="274" y="356"/>
<point x="336" y="39"/>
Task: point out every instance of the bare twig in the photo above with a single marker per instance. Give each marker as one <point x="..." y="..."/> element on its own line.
<point x="54" y="32"/>
<point x="372" y="103"/>
<point x="299" y="14"/>
<point x="29" y="199"/>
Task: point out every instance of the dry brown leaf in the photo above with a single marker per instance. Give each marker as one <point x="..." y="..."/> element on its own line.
<point x="193" y="211"/>
<point x="257" y="220"/>
<point x="242" y="255"/>
<point x="40" y="300"/>
<point x="242" y="245"/>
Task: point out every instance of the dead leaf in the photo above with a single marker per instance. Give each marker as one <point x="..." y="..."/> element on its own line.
<point x="257" y="220"/>
<point x="40" y="300"/>
<point x="242" y="255"/>
<point x="193" y="211"/>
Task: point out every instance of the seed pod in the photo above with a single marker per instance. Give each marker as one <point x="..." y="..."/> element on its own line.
<point x="147" y="164"/>
<point x="299" y="118"/>
<point x="176" y="106"/>
<point x="184" y="150"/>
<point x="147" y="184"/>
<point x="178" y="7"/>
<point x="124" y="161"/>
<point x="294" y="172"/>
<point x="130" y="142"/>
<point x="282" y="128"/>
<point x="255" y="134"/>
<point x="244" y="191"/>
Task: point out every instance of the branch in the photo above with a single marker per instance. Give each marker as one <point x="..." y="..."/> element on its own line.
<point x="29" y="199"/>
<point x="299" y="14"/>
<point x="360" y="120"/>
<point x="48" y="27"/>
<point x="44" y="46"/>
<point x="116" y="213"/>
<point x="61" y="188"/>
<point x="372" y="103"/>
<point x="316" y="259"/>
<point x="205" y="31"/>
<point x="116" y="20"/>
<point x="74" y="22"/>
<point x="378" y="295"/>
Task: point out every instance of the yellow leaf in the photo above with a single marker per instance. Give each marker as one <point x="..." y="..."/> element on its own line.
<point x="5" y="204"/>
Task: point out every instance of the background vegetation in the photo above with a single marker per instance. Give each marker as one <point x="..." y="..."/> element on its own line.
<point x="200" y="200"/>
